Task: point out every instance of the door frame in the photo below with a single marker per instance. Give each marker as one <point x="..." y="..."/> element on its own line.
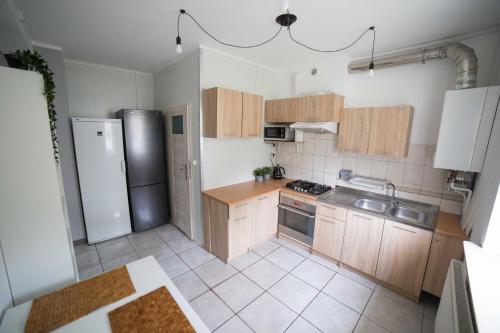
<point x="168" y="111"/>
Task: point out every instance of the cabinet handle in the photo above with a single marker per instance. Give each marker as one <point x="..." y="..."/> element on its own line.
<point x="239" y="219"/>
<point x="263" y="198"/>
<point x="363" y="217"/>
<point x="329" y="207"/>
<point x="242" y="205"/>
<point x="413" y="232"/>
<point x="328" y="221"/>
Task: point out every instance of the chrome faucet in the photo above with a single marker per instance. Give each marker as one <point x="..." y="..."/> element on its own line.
<point x="394" y="202"/>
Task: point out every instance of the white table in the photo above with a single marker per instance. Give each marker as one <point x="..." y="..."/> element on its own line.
<point x="146" y="275"/>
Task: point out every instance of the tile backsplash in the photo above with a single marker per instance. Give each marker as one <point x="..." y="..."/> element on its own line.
<point x="317" y="159"/>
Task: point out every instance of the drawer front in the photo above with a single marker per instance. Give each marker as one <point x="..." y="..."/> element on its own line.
<point x="298" y="197"/>
<point x="239" y="210"/>
<point x="334" y="212"/>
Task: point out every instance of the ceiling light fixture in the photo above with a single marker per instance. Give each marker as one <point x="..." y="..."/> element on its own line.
<point x="284" y="20"/>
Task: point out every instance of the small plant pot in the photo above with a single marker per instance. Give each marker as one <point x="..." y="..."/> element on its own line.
<point x="267" y="177"/>
<point x="259" y="178"/>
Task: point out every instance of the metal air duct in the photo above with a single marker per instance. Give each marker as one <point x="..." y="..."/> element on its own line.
<point x="465" y="59"/>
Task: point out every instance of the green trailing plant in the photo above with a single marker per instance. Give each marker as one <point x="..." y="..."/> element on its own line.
<point x="33" y="61"/>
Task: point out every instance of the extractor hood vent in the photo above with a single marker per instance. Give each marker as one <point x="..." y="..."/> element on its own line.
<point x="320" y="127"/>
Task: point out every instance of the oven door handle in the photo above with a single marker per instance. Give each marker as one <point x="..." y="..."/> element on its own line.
<point x="298" y="211"/>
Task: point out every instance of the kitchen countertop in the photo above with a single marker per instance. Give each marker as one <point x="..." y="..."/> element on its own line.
<point x="235" y="193"/>
<point x="449" y="224"/>
<point x="346" y="197"/>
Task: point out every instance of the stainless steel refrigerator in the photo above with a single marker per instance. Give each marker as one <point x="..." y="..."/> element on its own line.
<point x="145" y="161"/>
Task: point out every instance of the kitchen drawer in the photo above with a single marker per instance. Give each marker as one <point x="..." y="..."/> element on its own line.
<point x="240" y="210"/>
<point x="335" y="212"/>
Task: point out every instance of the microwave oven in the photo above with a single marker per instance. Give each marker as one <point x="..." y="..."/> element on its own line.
<point x="278" y="133"/>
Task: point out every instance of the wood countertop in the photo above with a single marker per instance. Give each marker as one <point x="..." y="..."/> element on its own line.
<point x="449" y="224"/>
<point x="232" y="194"/>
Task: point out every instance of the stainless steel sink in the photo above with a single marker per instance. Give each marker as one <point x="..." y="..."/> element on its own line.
<point x="371" y="205"/>
<point x="408" y="214"/>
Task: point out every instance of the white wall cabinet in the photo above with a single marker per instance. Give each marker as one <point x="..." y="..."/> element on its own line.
<point x="35" y="243"/>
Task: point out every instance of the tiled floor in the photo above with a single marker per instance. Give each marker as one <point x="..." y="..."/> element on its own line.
<point x="276" y="287"/>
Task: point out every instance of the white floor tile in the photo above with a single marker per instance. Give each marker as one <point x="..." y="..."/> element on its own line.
<point x="348" y="292"/>
<point x="265" y="248"/>
<point x="214" y="272"/>
<point x="113" y="241"/>
<point x="234" y="325"/>
<point x="243" y="261"/>
<point x="115" y="251"/>
<point x="329" y="315"/>
<point x="115" y="263"/>
<point x="285" y="258"/>
<point x="168" y="234"/>
<point x="211" y="310"/>
<point x="418" y="307"/>
<point x="357" y="277"/>
<point x="173" y="266"/>
<point x="145" y="240"/>
<point x="196" y="256"/>
<point x="264" y="273"/>
<point x="266" y="314"/>
<point x="160" y="252"/>
<point x="87" y="259"/>
<point x="83" y="248"/>
<point x="300" y="325"/>
<point x="365" y="325"/>
<point x="297" y="249"/>
<point x="181" y="244"/>
<point x="393" y="315"/>
<point x="324" y="262"/>
<point x="238" y="291"/>
<point x="313" y="273"/>
<point x="90" y="272"/>
<point x="293" y="292"/>
<point x="190" y="285"/>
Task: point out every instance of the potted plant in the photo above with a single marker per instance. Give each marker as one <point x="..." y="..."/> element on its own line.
<point x="267" y="172"/>
<point x="259" y="174"/>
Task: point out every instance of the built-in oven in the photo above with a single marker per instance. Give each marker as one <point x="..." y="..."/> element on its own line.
<point x="278" y="133"/>
<point x="296" y="219"/>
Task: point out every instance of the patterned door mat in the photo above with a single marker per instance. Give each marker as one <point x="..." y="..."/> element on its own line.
<point x="156" y="311"/>
<point x="65" y="305"/>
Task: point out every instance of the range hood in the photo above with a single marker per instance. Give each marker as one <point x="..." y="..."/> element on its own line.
<point x="318" y="127"/>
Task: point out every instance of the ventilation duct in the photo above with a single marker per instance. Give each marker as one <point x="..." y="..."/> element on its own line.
<point x="465" y="59"/>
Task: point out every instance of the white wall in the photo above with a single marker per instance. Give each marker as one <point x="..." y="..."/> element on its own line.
<point x="229" y="161"/>
<point x="12" y="32"/>
<point x="180" y="84"/>
<point x="97" y="91"/>
<point x="5" y="294"/>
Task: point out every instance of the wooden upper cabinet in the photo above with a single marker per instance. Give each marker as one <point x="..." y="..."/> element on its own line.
<point x="307" y="109"/>
<point x="231" y="113"/>
<point x="403" y="256"/>
<point x="362" y="237"/>
<point x="354" y="133"/>
<point x="252" y="115"/>
<point x="390" y="130"/>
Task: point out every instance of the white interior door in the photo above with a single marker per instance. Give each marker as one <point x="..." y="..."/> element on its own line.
<point x="179" y="166"/>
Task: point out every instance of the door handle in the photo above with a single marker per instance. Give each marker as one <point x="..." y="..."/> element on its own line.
<point x="298" y="211"/>
<point x="123" y="167"/>
<point x="413" y="232"/>
<point x="186" y="170"/>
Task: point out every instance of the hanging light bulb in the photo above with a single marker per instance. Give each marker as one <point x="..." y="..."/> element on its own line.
<point x="371" y="72"/>
<point x="285" y="6"/>
<point x="178" y="47"/>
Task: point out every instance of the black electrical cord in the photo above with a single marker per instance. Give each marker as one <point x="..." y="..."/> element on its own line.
<point x="337" y="50"/>
<point x="182" y="11"/>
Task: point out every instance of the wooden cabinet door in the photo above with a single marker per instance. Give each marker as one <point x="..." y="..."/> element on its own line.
<point x="330" y="107"/>
<point x="328" y="236"/>
<point x="403" y="256"/>
<point x="354" y="132"/>
<point x="390" y="130"/>
<point x="443" y="249"/>
<point x="306" y="108"/>
<point x="265" y="223"/>
<point x="280" y="110"/>
<point x="240" y="231"/>
<point x="251" y="125"/>
<point x="362" y="241"/>
<point x="229" y="113"/>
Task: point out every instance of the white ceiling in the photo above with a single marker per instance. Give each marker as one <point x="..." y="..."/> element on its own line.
<point x="141" y="35"/>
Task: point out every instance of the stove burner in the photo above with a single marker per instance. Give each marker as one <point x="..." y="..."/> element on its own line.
<point x="308" y="187"/>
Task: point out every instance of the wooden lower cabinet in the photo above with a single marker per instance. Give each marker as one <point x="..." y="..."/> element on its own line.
<point x="328" y="236"/>
<point x="403" y="256"/>
<point x="265" y="223"/>
<point x="230" y="230"/>
<point x="443" y="249"/>
<point x="363" y="234"/>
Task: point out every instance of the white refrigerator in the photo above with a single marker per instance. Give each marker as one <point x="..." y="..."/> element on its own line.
<point x="102" y="176"/>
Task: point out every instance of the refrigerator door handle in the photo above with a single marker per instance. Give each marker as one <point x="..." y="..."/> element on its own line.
<point x="123" y="166"/>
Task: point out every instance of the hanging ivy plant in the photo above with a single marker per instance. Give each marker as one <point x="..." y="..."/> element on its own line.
<point x="33" y="61"/>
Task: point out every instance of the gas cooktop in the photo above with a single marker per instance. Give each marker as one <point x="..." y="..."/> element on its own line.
<point x="308" y="187"/>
